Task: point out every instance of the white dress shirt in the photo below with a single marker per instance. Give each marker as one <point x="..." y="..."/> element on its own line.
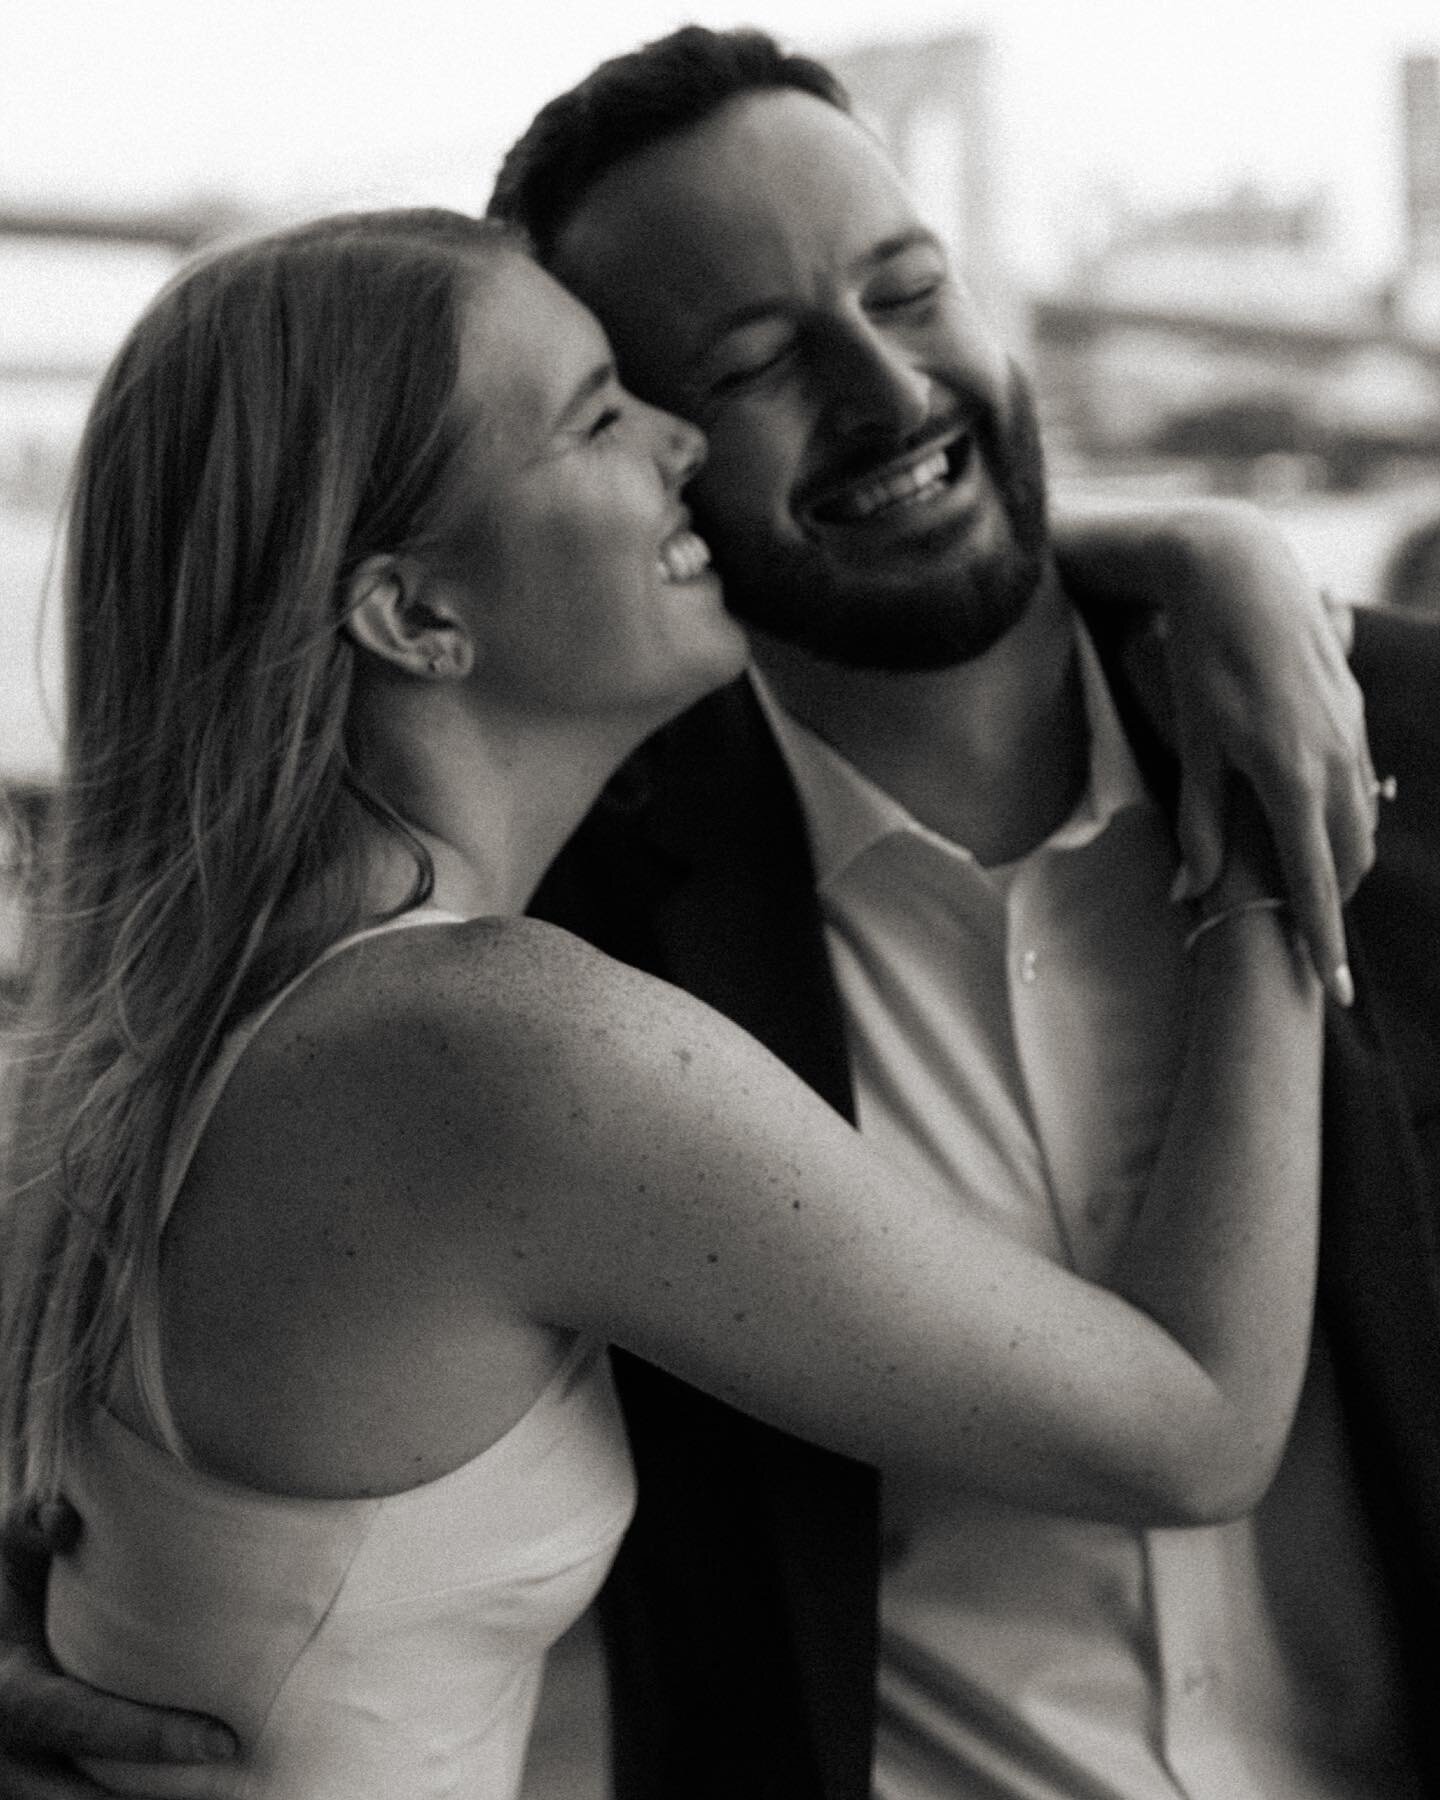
<point x="1014" y="1034"/>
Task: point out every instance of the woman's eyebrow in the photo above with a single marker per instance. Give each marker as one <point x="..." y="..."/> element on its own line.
<point x="589" y="385"/>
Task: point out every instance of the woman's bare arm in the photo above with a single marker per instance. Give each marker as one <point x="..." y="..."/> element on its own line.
<point x="623" y="1159"/>
<point x="569" y="1142"/>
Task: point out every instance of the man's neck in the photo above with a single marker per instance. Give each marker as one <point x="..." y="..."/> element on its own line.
<point x="992" y="754"/>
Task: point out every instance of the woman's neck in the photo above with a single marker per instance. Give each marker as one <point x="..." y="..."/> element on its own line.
<point x="492" y="801"/>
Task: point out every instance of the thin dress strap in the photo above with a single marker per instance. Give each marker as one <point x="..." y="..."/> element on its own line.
<point x="145" y="1360"/>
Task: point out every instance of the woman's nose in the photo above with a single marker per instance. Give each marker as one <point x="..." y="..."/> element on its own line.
<point x="683" y="449"/>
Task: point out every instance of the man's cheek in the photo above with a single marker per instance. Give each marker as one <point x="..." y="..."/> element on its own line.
<point x="741" y="487"/>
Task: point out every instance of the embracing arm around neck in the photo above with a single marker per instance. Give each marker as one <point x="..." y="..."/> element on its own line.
<point x="463" y="1142"/>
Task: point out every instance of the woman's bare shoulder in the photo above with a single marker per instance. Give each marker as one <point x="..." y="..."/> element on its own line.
<point x="478" y="1000"/>
<point x="347" y="1230"/>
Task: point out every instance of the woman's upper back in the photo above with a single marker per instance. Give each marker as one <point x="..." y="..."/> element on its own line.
<point x="312" y="1339"/>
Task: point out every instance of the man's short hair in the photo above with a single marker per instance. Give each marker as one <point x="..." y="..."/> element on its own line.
<point x="629" y="103"/>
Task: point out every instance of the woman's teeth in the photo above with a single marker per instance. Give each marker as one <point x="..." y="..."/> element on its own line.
<point x="919" y="481"/>
<point x="683" y="556"/>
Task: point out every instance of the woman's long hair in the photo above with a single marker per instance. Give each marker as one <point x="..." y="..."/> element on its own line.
<point x="280" y="413"/>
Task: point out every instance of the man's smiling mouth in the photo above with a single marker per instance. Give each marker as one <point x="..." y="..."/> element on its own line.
<point x="918" y="481"/>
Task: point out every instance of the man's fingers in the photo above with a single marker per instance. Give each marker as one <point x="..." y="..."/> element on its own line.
<point x="55" y="1714"/>
<point x="47" y="1778"/>
<point x="46" y="1781"/>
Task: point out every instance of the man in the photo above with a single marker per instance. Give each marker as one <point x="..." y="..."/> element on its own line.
<point x="874" y="499"/>
<point x="991" y="952"/>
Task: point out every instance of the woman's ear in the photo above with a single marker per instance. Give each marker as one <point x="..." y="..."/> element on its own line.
<point x="400" y="613"/>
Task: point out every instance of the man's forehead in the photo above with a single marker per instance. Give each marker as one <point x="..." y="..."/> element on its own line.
<point x="726" y="216"/>
<point x="656" y="276"/>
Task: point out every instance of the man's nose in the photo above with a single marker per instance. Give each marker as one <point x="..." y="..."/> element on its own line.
<point x="876" y="387"/>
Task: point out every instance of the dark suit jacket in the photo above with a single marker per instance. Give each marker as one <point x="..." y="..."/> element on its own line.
<point x="740" y="1617"/>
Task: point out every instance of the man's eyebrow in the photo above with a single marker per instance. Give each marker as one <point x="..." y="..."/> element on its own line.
<point x="753" y="311"/>
<point x="590" y="384"/>
<point x="912" y="238"/>
<point x="915" y="237"/>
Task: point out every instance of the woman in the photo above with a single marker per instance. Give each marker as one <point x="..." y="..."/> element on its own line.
<point x="336" y="1174"/>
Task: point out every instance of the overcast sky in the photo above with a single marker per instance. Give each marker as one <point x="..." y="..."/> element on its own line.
<point x="312" y="102"/>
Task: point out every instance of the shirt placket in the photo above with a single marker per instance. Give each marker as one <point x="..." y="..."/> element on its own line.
<point x="1090" y="1214"/>
<point x="1188" y="1583"/>
<point x="1092" y="1209"/>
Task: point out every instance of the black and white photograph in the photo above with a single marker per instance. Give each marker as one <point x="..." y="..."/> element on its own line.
<point x="720" y="901"/>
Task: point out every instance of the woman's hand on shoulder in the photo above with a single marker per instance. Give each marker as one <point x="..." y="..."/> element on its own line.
<point x="1259" y="685"/>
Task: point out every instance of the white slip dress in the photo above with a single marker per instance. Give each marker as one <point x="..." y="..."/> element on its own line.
<point x="370" y="1649"/>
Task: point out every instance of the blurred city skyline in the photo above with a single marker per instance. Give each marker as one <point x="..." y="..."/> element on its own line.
<point x="295" y="105"/>
<point x="1191" y="222"/>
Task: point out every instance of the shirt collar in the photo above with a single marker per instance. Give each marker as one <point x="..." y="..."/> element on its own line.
<point x="848" y="814"/>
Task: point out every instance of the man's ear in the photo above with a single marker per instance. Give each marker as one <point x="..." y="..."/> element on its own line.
<point x="400" y="613"/>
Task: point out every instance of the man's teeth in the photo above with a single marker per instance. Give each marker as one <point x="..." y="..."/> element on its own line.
<point x="919" y="481"/>
<point x="683" y="556"/>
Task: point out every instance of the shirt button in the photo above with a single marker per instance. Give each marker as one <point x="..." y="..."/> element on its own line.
<point x="1029" y="963"/>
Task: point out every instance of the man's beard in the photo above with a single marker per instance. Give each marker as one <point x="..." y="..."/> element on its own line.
<point x="794" y="595"/>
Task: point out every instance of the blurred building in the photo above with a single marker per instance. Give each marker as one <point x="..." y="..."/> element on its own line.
<point x="1417" y="288"/>
<point x="1231" y="335"/>
<point x="73" y="283"/>
<point x="1237" y="315"/>
<point x="1247" y="256"/>
<point x="931" y="103"/>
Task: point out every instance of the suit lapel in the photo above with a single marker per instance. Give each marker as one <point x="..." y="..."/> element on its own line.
<point x="742" y="1614"/>
<point x="1379" y="1292"/>
<point x="739" y="925"/>
<point x="1380" y="1243"/>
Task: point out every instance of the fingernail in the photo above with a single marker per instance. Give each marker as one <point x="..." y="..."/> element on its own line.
<point x="1342" y="985"/>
